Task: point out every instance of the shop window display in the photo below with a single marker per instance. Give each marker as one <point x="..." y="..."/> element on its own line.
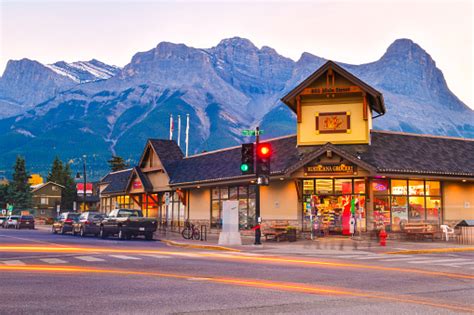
<point x="416" y="188"/>
<point x="416" y="211"/>
<point x="245" y="195"/>
<point x="399" y="212"/>
<point x="433" y="209"/>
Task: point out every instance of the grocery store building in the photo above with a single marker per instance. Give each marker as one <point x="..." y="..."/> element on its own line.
<point x="335" y="163"/>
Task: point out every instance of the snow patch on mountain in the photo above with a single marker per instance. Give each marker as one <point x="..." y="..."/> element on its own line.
<point x="84" y="71"/>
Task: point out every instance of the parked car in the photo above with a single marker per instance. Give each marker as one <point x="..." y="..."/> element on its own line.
<point x="127" y="223"/>
<point x="11" y="221"/>
<point x="26" y="221"/>
<point x="88" y="223"/>
<point x="2" y="220"/>
<point x="63" y="224"/>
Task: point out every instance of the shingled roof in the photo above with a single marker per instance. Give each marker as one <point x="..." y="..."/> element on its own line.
<point x="389" y="152"/>
<point x="167" y="150"/>
<point x="117" y="181"/>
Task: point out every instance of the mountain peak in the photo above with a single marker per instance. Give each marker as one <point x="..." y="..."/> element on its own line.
<point x="237" y="42"/>
<point x="405" y="48"/>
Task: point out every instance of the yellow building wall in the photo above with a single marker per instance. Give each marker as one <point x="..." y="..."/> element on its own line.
<point x="199" y="204"/>
<point x="458" y="201"/>
<point x="359" y="128"/>
<point x="279" y="201"/>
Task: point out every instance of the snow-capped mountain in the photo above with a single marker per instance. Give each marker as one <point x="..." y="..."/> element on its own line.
<point x="224" y="89"/>
<point x="84" y="71"/>
<point x="26" y="83"/>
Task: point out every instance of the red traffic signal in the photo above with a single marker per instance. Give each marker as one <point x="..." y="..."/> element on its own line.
<point x="264" y="150"/>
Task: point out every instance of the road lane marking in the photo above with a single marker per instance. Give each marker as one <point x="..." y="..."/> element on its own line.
<point x="368" y="257"/>
<point x="453" y="261"/>
<point x="156" y="256"/>
<point x="89" y="258"/>
<point x="255" y="283"/>
<point x="125" y="257"/>
<point x="33" y="240"/>
<point x="405" y="259"/>
<point x="53" y="261"/>
<point x="465" y="263"/>
<point x="13" y="262"/>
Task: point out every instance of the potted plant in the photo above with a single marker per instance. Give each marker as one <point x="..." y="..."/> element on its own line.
<point x="291" y="233"/>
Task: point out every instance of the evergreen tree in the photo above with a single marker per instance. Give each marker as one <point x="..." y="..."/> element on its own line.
<point x="117" y="163"/>
<point x="20" y="192"/>
<point x="4" y="196"/>
<point x="69" y="192"/>
<point x="61" y="174"/>
<point x="57" y="172"/>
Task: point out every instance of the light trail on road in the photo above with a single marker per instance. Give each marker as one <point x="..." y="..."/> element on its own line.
<point x="263" y="284"/>
<point x="230" y="257"/>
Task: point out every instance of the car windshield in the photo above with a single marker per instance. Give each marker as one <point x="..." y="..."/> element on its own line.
<point x="73" y="215"/>
<point x="130" y="213"/>
<point x="14" y="217"/>
<point x="27" y="217"/>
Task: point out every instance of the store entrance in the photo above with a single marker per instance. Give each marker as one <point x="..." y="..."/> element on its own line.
<point x="330" y="205"/>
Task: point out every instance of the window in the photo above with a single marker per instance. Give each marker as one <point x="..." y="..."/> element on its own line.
<point x="44" y="200"/>
<point x="245" y="195"/>
<point x="324" y="186"/>
<point x="343" y="186"/>
<point x="410" y="201"/>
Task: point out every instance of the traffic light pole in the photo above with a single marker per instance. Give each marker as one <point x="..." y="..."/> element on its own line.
<point x="258" y="231"/>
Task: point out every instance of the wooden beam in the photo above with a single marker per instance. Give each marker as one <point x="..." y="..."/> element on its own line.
<point x="365" y="109"/>
<point x="298" y="108"/>
<point x="138" y="202"/>
<point x="153" y="198"/>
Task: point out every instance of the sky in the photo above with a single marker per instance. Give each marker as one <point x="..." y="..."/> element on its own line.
<point x="348" y="31"/>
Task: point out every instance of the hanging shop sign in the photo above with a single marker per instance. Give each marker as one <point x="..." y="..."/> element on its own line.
<point x="336" y="122"/>
<point x="320" y="169"/>
<point x="331" y="90"/>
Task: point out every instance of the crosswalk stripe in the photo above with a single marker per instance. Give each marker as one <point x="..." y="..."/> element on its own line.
<point x="406" y="258"/>
<point x="452" y="261"/>
<point x="465" y="263"/>
<point x="156" y="256"/>
<point x="89" y="258"/>
<point x="13" y="262"/>
<point x="53" y="261"/>
<point x="368" y="257"/>
<point x="125" y="257"/>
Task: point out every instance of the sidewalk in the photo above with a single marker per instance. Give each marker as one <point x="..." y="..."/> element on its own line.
<point x="323" y="246"/>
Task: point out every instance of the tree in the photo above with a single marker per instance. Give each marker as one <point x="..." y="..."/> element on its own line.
<point x="117" y="163"/>
<point x="20" y="190"/>
<point x="4" y="195"/>
<point x="69" y="192"/>
<point x="57" y="172"/>
<point x="61" y="174"/>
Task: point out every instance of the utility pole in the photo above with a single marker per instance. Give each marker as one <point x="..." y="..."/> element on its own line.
<point x="258" y="231"/>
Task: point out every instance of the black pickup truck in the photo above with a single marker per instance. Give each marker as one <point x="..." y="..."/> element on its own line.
<point x="126" y="223"/>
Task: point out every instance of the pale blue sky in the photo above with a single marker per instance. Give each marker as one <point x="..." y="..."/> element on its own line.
<point x="347" y="31"/>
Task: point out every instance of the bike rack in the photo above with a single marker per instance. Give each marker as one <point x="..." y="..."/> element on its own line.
<point x="203" y="236"/>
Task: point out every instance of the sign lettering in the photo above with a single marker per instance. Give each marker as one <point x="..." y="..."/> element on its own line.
<point x="329" y="169"/>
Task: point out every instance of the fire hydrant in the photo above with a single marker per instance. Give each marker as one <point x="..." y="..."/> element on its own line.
<point x="383" y="237"/>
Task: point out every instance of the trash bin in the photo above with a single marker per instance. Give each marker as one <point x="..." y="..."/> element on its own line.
<point x="467" y="232"/>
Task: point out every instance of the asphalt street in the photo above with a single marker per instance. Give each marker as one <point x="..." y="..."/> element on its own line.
<point x="54" y="274"/>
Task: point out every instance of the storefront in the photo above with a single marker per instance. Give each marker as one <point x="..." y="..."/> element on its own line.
<point x="335" y="169"/>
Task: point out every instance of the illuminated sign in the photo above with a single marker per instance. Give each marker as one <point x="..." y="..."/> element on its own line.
<point x="330" y="169"/>
<point x="339" y="122"/>
<point x="137" y="184"/>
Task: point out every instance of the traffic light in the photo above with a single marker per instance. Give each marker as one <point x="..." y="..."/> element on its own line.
<point x="246" y="167"/>
<point x="264" y="153"/>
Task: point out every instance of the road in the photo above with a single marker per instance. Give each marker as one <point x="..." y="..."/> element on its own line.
<point x="54" y="274"/>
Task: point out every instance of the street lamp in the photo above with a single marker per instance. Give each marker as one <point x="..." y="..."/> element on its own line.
<point x="78" y="176"/>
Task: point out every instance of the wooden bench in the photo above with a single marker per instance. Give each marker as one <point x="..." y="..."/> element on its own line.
<point x="419" y="230"/>
<point x="277" y="231"/>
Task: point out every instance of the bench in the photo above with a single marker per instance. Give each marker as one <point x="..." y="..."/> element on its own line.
<point x="419" y="230"/>
<point x="276" y="232"/>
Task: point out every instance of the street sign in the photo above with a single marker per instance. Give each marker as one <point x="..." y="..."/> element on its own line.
<point x="167" y="198"/>
<point x="250" y="132"/>
<point x="10" y="207"/>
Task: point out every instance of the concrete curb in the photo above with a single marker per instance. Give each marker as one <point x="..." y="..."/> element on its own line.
<point x="211" y="247"/>
<point x="431" y="251"/>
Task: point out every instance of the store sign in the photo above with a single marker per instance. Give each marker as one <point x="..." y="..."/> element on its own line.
<point x="329" y="169"/>
<point x="137" y="184"/>
<point x="80" y="188"/>
<point x="339" y="122"/>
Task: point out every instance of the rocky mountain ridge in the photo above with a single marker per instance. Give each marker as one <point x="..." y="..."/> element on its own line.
<point x="225" y="89"/>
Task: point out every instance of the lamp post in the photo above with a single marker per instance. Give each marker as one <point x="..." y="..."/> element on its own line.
<point x="78" y="176"/>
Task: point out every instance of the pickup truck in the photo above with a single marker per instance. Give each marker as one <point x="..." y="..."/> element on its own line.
<point x="126" y="223"/>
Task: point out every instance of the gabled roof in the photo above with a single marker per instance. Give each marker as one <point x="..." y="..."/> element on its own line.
<point x="147" y="186"/>
<point x="168" y="151"/>
<point x="40" y="186"/>
<point x="375" y="98"/>
<point x="117" y="181"/>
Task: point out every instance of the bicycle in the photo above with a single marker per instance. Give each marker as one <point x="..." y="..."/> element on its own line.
<point x="190" y="231"/>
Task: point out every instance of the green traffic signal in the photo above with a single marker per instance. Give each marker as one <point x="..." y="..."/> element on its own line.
<point x="244" y="167"/>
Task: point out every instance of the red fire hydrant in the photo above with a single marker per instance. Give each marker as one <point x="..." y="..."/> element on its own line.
<point x="383" y="237"/>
